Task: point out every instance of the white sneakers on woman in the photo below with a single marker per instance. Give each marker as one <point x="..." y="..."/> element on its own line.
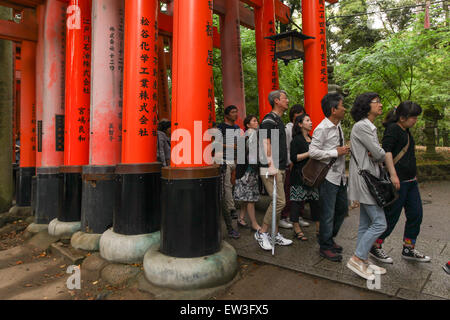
<point x="365" y="270"/>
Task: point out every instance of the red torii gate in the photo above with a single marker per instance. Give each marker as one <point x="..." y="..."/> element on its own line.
<point x="192" y="93"/>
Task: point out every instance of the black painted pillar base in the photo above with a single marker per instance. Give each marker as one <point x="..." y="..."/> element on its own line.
<point x="33" y="195"/>
<point x="137" y="199"/>
<point x="23" y="186"/>
<point x="47" y="194"/>
<point x="70" y="194"/>
<point x="97" y="198"/>
<point x="15" y="168"/>
<point x="190" y="225"/>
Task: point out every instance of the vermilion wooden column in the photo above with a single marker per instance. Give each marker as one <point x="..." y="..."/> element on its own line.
<point x="137" y="206"/>
<point x="315" y="63"/>
<point x="40" y="13"/>
<point x="190" y="226"/>
<point x="77" y="103"/>
<point x="190" y="179"/>
<point x="50" y="108"/>
<point x="105" y="139"/>
<point x="267" y="65"/>
<point x="27" y="124"/>
<point x="193" y="83"/>
<point x="78" y="83"/>
<point x="232" y="72"/>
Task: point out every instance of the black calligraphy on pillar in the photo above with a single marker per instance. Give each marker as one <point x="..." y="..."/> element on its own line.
<point x="148" y="83"/>
<point x="210" y="60"/>
<point x="322" y="43"/>
<point x="39" y="135"/>
<point x="120" y="64"/>
<point x="83" y="111"/>
<point x="112" y="33"/>
<point x="59" y="132"/>
<point x="274" y="67"/>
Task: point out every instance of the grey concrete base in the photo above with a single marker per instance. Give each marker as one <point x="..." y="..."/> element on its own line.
<point x="36" y="228"/>
<point x="116" y="247"/>
<point x="160" y="293"/>
<point x="42" y="240"/>
<point x="20" y="211"/>
<point x="119" y="274"/>
<point x="191" y="273"/>
<point x="86" y="241"/>
<point x="71" y="255"/>
<point x="57" y="228"/>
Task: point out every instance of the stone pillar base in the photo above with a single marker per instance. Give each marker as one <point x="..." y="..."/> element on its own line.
<point x="120" y="248"/>
<point x="86" y="241"/>
<point x="191" y="273"/>
<point x="36" y="228"/>
<point x="60" y="229"/>
<point x="20" y="211"/>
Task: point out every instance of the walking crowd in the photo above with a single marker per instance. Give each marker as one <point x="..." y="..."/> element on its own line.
<point x="329" y="201"/>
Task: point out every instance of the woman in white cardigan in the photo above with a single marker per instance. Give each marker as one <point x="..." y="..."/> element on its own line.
<point x="369" y="154"/>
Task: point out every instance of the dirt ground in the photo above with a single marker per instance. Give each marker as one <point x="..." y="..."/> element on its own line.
<point x="33" y="274"/>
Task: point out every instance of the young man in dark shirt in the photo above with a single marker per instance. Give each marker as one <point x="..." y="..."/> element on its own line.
<point x="229" y="154"/>
<point x="273" y="166"/>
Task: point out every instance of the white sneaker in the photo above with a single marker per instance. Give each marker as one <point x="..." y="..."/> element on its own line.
<point x="263" y="240"/>
<point x="302" y="222"/>
<point x="282" y="241"/>
<point x="361" y="269"/>
<point x="285" y="224"/>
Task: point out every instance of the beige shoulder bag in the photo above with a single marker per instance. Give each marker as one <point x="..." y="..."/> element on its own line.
<point x="402" y="153"/>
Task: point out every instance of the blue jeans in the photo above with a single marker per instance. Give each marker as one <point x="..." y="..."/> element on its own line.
<point x="333" y="209"/>
<point x="408" y="198"/>
<point x="372" y="223"/>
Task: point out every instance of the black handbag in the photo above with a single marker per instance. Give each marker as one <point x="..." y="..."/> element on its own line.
<point x="381" y="188"/>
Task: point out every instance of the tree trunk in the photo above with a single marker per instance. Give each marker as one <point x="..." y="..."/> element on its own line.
<point x="445" y="140"/>
<point x="6" y="109"/>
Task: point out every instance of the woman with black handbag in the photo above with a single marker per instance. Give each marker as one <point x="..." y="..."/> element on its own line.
<point x="367" y="154"/>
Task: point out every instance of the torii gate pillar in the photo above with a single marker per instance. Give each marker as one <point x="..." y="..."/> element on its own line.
<point x="232" y="71"/>
<point x="49" y="112"/>
<point x="27" y="167"/>
<point x="77" y="115"/>
<point x="105" y="123"/>
<point x="315" y="64"/>
<point x="190" y="226"/>
<point x="267" y="65"/>
<point x="136" y="211"/>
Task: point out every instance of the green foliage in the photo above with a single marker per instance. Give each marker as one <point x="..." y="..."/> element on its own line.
<point x="413" y="64"/>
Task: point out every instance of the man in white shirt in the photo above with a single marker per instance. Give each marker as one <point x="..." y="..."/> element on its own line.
<point x="328" y="143"/>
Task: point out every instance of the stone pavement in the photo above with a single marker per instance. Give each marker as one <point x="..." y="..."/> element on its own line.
<point x="404" y="279"/>
<point x="36" y="268"/>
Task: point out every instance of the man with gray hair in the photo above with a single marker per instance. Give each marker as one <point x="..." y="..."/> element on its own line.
<point x="273" y="165"/>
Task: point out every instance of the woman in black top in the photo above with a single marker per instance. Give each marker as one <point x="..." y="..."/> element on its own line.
<point x="300" y="192"/>
<point x="401" y="163"/>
